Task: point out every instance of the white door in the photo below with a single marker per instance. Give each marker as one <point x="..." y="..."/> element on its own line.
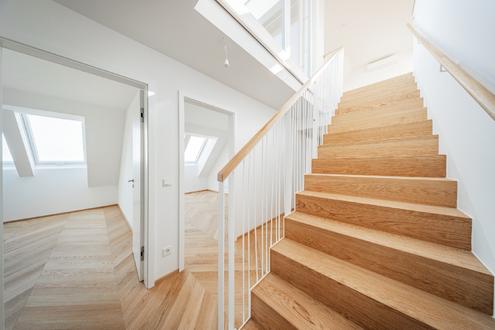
<point x="137" y="211"/>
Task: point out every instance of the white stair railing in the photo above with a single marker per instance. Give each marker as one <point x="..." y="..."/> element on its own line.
<point x="261" y="181"/>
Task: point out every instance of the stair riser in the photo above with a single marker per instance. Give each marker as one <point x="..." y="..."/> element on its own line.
<point x="405" y="93"/>
<point x="377" y="93"/>
<point x="404" y="148"/>
<point x="464" y="286"/>
<point x="357" y="307"/>
<point x="422" y="191"/>
<point x="417" y="167"/>
<point x="376" y="115"/>
<point x="436" y="228"/>
<point x="399" y="118"/>
<point x="397" y="105"/>
<point x="406" y="79"/>
<point x="415" y="103"/>
<point x="264" y="315"/>
<point x="415" y="129"/>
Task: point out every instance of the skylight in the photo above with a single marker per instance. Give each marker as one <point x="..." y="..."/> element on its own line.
<point x="6" y="155"/>
<point x="56" y="140"/>
<point x="194" y="148"/>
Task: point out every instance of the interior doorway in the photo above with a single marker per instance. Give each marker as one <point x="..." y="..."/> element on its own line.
<point x="206" y="143"/>
<point x="75" y="178"/>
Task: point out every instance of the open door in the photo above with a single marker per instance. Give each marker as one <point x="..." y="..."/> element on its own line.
<point x="137" y="170"/>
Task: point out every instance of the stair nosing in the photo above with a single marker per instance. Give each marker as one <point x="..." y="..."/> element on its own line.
<point x="423" y="208"/>
<point x="391" y="241"/>
<point x="411" y="178"/>
<point x="389" y="300"/>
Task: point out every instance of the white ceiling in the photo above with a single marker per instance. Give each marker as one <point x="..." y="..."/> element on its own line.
<point x="27" y="73"/>
<point x="368" y="30"/>
<point x="176" y="29"/>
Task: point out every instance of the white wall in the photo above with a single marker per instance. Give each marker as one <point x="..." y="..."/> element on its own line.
<point x="51" y="190"/>
<point x="368" y="31"/>
<point x="47" y="25"/>
<point x="467" y="134"/>
<point x="126" y="192"/>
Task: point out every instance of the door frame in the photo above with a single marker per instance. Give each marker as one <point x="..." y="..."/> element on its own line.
<point x="26" y="49"/>
<point x="183" y="98"/>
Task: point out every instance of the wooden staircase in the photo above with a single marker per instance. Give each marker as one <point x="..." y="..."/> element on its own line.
<point x="376" y="240"/>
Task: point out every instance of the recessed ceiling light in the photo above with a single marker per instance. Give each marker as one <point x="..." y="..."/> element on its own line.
<point x="276" y="68"/>
<point x="151" y="93"/>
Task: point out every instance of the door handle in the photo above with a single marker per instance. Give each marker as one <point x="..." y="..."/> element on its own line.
<point x="132" y="180"/>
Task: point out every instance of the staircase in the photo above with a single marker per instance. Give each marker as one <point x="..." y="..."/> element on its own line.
<point x="376" y="240"/>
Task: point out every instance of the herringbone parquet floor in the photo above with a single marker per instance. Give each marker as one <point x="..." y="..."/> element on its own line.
<point x="76" y="271"/>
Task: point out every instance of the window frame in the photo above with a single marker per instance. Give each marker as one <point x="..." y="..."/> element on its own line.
<point x="6" y="162"/>
<point x="32" y="143"/>
<point x="200" y="152"/>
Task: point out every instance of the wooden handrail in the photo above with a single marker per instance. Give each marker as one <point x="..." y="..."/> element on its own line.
<point x="241" y="154"/>
<point x="480" y="93"/>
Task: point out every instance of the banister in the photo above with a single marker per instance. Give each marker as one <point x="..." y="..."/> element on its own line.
<point x="481" y="94"/>
<point x="241" y="154"/>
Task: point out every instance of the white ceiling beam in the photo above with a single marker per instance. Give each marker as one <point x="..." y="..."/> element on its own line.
<point x="18" y="143"/>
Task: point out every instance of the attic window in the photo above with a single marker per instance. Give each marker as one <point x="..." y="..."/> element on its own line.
<point x="6" y="155"/>
<point x="55" y="140"/>
<point x="194" y="147"/>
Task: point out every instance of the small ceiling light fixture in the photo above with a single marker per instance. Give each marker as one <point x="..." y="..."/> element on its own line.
<point x="226" y="63"/>
<point x="151" y="93"/>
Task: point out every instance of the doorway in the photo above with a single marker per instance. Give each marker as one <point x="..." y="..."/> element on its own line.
<point x="75" y="176"/>
<point x="206" y="143"/>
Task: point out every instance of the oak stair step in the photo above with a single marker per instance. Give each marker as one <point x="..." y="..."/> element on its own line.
<point x="380" y="99"/>
<point x="416" y="146"/>
<point x="378" y="134"/>
<point x="341" y="124"/>
<point x="450" y="273"/>
<point x="365" y="297"/>
<point x="276" y="304"/>
<point x="378" y="114"/>
<point x="417" y="166"/>
<point x="405" y="79"/>
<point x="391" y="105"/>
<point x="437" y="224"/>
<point x="431" y="191"/>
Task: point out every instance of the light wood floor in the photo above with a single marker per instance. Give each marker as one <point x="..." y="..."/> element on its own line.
<point x="76" y="271"/>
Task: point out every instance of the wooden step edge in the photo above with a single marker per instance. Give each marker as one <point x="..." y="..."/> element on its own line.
<point x="418" y="190"/>
<point x="399" y="89"/>
<point x="428" y="250"/>
<point x="450" y="273"/>
<point x="433" y="137"/>
<point x="407" y="77"/>
<point x="280" y="305"/>
<point x="414" y="166"/>
<point x="411" y="178"/>
<point x="422" y="208"/>
<point x="378" y="114"/>
<point x="381" y="298"/>
<point x="393" y="127"/>
<point x="398" y="105"/>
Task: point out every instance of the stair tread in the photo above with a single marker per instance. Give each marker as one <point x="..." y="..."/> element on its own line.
<point x="440" y="210"/>
<point x="441" y="253"/>
<point x="412" y="178"/>
<point x="414" y="303"/>
<point x="298" y="308"/>
<point x="395" y="140"/>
